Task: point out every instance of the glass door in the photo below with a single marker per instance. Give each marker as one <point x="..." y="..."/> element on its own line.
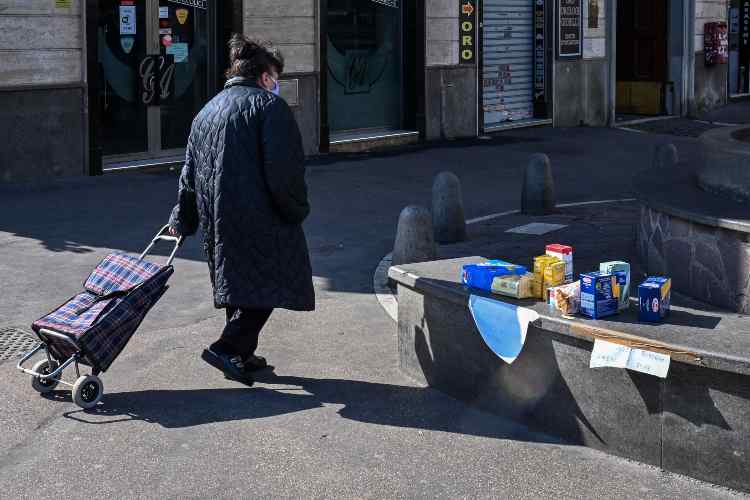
<point x="153" y="60"/>
<point x="184" y="44"/>
<point x="365" y="61"/>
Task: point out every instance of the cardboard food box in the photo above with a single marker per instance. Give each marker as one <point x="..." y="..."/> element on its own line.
<point x="481" y="276"/>
<point x="554" y="274"/>
<point x="566" y="298"/>
<point x="516" y="287"/>
<point x="599" y="295"/>
<point x="548" y="272"/>
<point x="565" y="254"/>
<point x="615" y="267"/>
<point x="654" y="298"/>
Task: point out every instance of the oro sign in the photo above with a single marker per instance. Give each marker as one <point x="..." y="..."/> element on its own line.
<point x="467" y="32"/>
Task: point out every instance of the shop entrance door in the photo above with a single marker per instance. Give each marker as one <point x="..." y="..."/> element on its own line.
<point x="153" y="65"/>
<point x="365" y="76"/>
<point x="508" y="62"/>
<point x="642" y="67"/>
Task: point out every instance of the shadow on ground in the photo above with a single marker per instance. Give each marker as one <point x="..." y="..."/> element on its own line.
<point x="381" y="404"/>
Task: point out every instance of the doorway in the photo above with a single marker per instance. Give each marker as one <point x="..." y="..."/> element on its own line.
<point x="366" y="75"/>
<point x="154" y="72"/>
<point x="642" y="58"/>
<point x="514" y="64"/>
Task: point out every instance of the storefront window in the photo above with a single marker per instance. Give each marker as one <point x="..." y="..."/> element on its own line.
<point x="364" y="52"/>
<point x="153" y="68"/>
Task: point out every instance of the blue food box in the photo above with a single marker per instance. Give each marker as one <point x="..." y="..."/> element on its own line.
<point x="480" y="276"/>
<point x="654" y="298"/>
<point x="599" y="294"/>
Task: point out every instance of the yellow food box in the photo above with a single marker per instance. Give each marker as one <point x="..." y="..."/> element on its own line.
<point x="554" y="273"/>
<point x="541" y="262"/>
<point x="537" y="288"/>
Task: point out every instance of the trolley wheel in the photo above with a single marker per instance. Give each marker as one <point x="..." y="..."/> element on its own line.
<point x="45" y="367"/>
<point x="87" y="391"/>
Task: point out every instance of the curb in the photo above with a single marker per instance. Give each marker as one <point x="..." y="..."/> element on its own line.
<point x="389" y="301"/>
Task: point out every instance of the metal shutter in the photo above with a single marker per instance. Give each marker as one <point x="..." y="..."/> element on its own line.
<point x="508" y="59"/>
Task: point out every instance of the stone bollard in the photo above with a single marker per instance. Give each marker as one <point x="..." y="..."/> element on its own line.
<point x="666" y="156"/>
<point x="415" y="241"/>
<point x="538" y="196"/>
<point x="448" y="209"/>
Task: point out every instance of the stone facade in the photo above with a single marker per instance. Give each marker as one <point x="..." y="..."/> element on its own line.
<point x="710" y="89"/>
<point x="42" y="101"/>
<point x="708" y="263"/>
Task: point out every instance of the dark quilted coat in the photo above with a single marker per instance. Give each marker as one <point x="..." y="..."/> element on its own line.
<point x="243" y="183"/>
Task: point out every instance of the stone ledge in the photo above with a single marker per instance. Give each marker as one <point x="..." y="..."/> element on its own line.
<point x="675" y="191"/>
<point x="441" y="280"/>
<point x="694" y="422"/>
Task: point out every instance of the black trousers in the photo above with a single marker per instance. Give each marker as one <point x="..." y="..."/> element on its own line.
<point x="240" y="335"/>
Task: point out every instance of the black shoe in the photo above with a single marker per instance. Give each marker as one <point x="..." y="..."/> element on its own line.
<point x="232" y="366"/>
<point x="254" y="363"/>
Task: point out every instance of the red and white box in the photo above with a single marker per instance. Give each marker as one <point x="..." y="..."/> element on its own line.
<point x="565" y="254"/>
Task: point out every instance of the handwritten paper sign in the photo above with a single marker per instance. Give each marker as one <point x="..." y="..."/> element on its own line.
<point x="652" y="363"/>
<point x="608" y="354"/>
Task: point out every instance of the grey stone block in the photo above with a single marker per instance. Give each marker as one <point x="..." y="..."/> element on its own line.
<point x="538" y="195"/>
<point x="679" y="254"/>
<point x="549" y="388"/>
<point x="705" y="425"/>
<point x="415" y="240"/>
<point x="450" y="105"/>
<point x="448" y="217"/>
<point x="43" y="133"/>
<point x="665" y="156"/>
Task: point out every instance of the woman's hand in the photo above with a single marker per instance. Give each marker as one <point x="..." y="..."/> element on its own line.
<point x="173" y="232"/>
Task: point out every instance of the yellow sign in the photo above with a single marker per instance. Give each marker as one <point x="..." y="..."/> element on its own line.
<point x="63" y="4"/>
<point x="182" y="15"/>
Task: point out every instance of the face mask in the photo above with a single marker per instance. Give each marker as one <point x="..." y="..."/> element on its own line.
<point x="275" y="90"/>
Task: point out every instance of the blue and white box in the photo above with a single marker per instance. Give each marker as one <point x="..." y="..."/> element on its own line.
<point x="599" y="295"/>
<point x="654" y="298"/>
<point x="481" y="276"/>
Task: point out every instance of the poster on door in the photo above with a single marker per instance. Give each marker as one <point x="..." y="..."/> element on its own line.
<point x="569" y="29"/>
<point x="127" y="19"/>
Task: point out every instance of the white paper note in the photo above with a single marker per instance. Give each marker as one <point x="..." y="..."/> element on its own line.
<point x="652" y="363"/>
<point x="607" y="354"/>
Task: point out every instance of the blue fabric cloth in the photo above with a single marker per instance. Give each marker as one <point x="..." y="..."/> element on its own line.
<point x="502" y="326"/>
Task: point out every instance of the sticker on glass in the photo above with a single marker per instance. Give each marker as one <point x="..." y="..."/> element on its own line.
<point x="182" y="15"/>
<point x="127" y="19"/>
<point x="127" y="43"/>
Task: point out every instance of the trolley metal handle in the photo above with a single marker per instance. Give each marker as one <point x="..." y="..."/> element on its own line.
<point x="161" y="236"/>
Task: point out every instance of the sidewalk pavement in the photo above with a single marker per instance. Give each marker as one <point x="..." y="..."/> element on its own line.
<point x="338" y="418"/>
<point x="737" y="112"/>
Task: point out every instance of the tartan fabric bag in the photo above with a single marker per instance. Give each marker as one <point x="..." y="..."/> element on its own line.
<point x="101" y="319"/>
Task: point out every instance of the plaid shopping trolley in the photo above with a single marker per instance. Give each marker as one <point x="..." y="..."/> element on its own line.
<point x="93" y="327"/>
